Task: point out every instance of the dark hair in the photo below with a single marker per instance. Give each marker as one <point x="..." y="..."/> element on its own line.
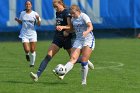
<point x="28" y="1"/>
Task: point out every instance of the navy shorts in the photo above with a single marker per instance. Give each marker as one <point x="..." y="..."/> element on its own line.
<point x="64" y="42"/>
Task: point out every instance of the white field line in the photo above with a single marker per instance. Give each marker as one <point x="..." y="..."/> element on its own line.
<point x="116" y="65"/>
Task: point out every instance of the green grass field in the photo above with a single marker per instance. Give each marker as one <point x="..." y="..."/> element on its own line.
<point x="117" y="69"/>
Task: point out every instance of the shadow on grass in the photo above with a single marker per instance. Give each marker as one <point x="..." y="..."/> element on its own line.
<point x="31" y="82"/>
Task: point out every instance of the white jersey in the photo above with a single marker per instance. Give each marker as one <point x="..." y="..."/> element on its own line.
<point x="28" y="24"/>
<point x="80" y="25"/>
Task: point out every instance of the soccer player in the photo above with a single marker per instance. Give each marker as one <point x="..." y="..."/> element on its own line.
<point x="28" y="34"/>
<point x="61" y="37"/>
<point x="84" y="42"/>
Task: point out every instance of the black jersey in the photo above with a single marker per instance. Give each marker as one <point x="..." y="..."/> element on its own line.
<point x="61" y="20"/>
<point x="59" y="39"/>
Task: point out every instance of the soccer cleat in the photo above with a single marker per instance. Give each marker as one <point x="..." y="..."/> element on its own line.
<point x="60" y="77"/>
<point x="34" y="76"/>
<point x="84" y="82"/>
<point x="90" y="65"/>
<point x="27" y="57"/>
<point x="31" y="65"/>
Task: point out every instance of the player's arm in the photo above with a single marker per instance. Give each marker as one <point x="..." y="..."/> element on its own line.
<point x="89" y="25"/>
<point x="89" y="29"/>
<point x="38" y="20"/>
<point x="67" y="27"/>
<point x="19" y="21"/>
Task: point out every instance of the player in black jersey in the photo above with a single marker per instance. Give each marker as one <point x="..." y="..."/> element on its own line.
<point x="61" y="38"/>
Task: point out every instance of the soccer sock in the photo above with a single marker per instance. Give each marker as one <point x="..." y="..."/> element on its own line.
<point x="27" y="53"/>
<point x="68" y="66"/>
<point x="84" y="71"/>
<point x="79" y="59"/>
<point x="32" y="58"/>
<point x="43" y="65"/>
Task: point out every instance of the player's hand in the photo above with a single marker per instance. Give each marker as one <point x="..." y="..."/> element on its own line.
<point x="16" y="19"/>
<point x="59" y="28"/>
<point x="85" y="33"/>
<point x="19" y="21"/>
<point x="37" y="17"/>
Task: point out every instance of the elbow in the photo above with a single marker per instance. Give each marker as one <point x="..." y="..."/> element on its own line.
<point x="92" y="28"/>
<point x="20" y="22"/>
<point x="71" y="27"/>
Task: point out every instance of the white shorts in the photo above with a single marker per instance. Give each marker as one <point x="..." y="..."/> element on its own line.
<point x="24" y="39"/>
<point x="28" y="38"/>
<point x="80" y="44"/>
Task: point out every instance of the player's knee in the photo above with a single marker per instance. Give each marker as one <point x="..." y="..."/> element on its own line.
<point x="84" y="59"/>
<point x="32" y="51"/>
<point x="27" y="50"/>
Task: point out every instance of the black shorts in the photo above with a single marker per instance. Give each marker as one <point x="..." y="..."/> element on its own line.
<point x="64" y="42"/>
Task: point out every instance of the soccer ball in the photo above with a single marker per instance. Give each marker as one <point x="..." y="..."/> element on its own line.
<point x="60" y="69"/>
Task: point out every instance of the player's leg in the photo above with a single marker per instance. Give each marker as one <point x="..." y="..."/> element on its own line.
<point x="53" y="49"/>
<point x="69" y="65"/>
<point x="26" y="47"/>
<point x="86" y="52"/>
<point x="90" y="64"/>
<point x="75" y="52"/>
<point x="33" y="53"/>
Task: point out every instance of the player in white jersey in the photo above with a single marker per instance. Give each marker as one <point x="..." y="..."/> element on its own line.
<point x="84" y="42"/>
<point x="28" y="19"/>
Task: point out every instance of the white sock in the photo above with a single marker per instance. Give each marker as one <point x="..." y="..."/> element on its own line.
<point x="27" y="53"/>
<point x="69" y="66"/>
<point x="32" y="58"/>
<point x="84" y="71"/>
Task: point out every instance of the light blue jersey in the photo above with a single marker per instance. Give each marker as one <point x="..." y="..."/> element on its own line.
<point x="80" y="25"/>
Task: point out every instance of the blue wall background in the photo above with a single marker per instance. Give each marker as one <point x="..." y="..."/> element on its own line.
<point x="104" y="13"/>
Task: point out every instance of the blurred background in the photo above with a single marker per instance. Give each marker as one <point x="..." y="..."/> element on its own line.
<point x="111" y="18"/>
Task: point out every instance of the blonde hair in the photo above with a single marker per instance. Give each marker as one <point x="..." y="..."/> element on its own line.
<point x="75" y="8"/>
<point x="59" y="2"/>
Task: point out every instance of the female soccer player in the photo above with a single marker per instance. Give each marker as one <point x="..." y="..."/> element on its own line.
<point x="84" y="42"/>
<point x="28" y="34"/>
<point x="61" y="38"/>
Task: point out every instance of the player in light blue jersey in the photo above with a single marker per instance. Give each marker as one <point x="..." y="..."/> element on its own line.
<point x="28" y="34"/>
<point x="84" y="42"/>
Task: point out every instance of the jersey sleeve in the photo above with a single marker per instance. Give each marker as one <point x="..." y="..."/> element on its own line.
<point x="68" y="13"/>
<point x="20" y="17"/>
<point x="86" y="18"/>
<point x="38" y="15"/>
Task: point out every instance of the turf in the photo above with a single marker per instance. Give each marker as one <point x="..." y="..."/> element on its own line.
<point x="117" y="69"/>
